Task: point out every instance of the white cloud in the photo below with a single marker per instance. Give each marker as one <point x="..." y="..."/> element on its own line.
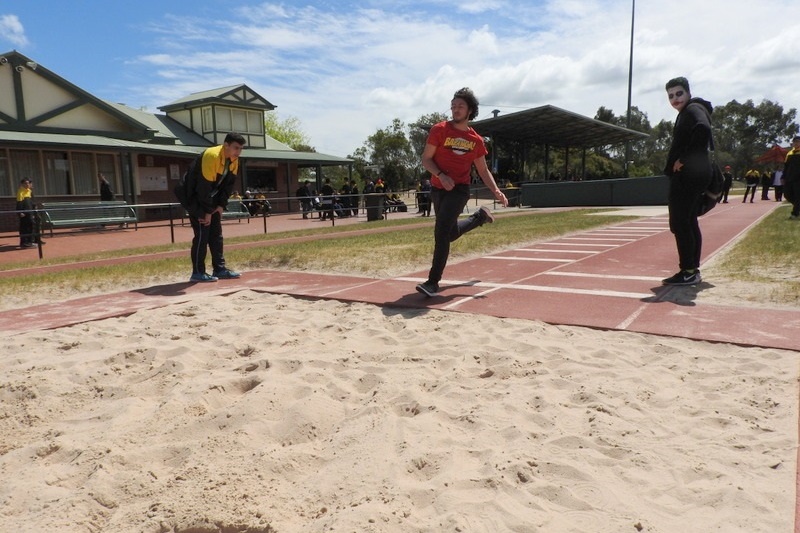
<point x="345" y="69"/>
<point x="11" y="30"/>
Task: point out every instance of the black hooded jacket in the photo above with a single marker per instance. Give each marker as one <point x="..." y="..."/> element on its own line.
<point x="690" y="143"/>
<point x="204" y="195"/>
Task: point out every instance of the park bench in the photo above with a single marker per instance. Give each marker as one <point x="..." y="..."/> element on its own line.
<point x="236" y="210"/>
<point x="87" y="214"/>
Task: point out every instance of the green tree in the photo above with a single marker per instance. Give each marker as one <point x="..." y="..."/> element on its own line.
<point x="742" y="132"/>
<point x="640" y="151"/>
<point x="418" y="131"/>
<point x="659" y="142"/>
<point x="418" y="136"/>
<point x="289" y="131"/>
<point x="390" y="151"/>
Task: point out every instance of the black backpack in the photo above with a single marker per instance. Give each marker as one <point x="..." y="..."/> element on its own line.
<point x="710" y="196"/>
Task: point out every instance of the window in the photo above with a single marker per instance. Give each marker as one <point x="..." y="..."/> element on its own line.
<point x="84" y="174"/>
<point x="56" y="173"/>
<point x="6" y="187"/>
<point x="224" y="122"/>
<point x="239" y="120"/>
<point x="106" y="165"/>
<point x="263" y="179"/>
<point x="255" y="122"/>
<point x="26" y="164"/>
<point x="208" y="120"/>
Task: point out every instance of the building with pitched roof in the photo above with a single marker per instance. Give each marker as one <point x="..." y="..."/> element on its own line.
<point x="62" y="137"/>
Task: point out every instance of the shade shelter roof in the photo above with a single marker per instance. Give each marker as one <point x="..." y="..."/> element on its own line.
<point x="776" y="154"/>
<point x="548" y="125"/>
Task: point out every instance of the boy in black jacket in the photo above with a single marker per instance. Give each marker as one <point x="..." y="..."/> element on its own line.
<point x="689" y="170"/>
<point x="208" y="189"/>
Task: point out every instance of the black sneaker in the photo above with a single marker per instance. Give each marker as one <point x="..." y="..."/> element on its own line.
<point x="202" y="277"/>
<point x="428" y="288"/>
<point x="683" y="278"/>
<point x="226" y="274"/>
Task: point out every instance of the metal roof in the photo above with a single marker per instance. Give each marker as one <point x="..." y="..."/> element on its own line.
<point x="548" y="125"/>
<point x="232" y="95"/>
<point x="94" y="142"/>
<point x="170" y="131"/>
<point x="301" y="158"/>
<point x="97" y="142"/>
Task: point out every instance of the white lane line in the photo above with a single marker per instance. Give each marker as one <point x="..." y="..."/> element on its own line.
<point x="632" y="236"/>
<point x="557" y="251"/>
<point x="535" y="288"/>
<point x="517" y="258"/>
<point x="596" y="239"/>
<point x="623" y="230"/>
<point x="653" y="225"/>
<point x="573" y="244"/>
<point x="599" y="276"/>
<point x="626" y="231"/>
<point x="625" y="324"/>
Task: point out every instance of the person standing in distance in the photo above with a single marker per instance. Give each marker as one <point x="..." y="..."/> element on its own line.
<point x="451" y="150"/>
<point x="689" y="170"/>
<point x="106" y="193"/>
<point x="215" y="175"/>
<point x="791" y="178"/>
<point x="727" y="183"/>
<point x="25" y="206"/>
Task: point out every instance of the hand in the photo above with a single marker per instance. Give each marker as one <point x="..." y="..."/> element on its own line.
<point x="206" y="220"/>
<point x="447" y="182"/>
<point x="500" y="197"/>
<point x="677" y="166"/>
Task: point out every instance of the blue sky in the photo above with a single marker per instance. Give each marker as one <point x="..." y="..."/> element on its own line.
<point x="346" y="69"/>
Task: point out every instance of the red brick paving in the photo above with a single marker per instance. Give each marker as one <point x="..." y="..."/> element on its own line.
<point x="605" y="278"/>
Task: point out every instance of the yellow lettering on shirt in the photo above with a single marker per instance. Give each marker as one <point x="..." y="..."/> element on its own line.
<point x="458" y="144"/>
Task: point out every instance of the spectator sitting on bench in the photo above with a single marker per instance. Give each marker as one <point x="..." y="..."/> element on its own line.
<point x="329" y="202"/>
<point x="263" y="204"/>
<point x="395" y="203"/>
<point x="250" y="203"/>
<point x="333" y="206"/>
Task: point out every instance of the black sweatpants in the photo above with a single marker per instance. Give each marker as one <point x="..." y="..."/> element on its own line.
<point x="684" y="202"/>
<point x="207" y="238"/>
<point x="448" y="206"/>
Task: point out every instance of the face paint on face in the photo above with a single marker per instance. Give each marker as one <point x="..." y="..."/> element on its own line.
<point x="678" y="97"/>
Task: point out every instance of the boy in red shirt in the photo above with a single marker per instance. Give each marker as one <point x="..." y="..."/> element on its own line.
<point x="453" y="147"/>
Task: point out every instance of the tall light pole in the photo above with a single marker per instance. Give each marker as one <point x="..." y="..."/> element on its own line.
<point x="630" y="85"/>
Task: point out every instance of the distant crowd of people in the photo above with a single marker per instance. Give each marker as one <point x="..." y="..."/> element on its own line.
<point x="346" y="201"/>
<point x="767" y="179"/>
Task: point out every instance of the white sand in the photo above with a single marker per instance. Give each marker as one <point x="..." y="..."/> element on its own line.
<point x="264" y="413"/>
